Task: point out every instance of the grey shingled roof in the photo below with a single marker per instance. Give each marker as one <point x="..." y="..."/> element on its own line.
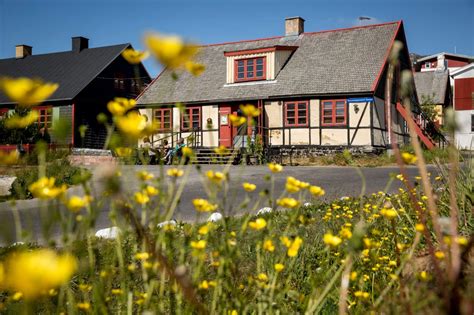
<point x="73" y="71"/>
<point x="432" y="84"/>
<point x="330" y="62"/>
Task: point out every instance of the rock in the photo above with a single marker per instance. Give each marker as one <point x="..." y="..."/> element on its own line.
<point x="264" y="210"/>
<point x="216" y="216"/>
<point x="108" y="233"/>
<point x="5" y="184"/>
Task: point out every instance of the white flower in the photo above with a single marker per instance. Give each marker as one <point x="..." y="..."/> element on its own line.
<point x="264" y="210"/>
<point x="109" y="233"/>
<point x="216" y="216"/>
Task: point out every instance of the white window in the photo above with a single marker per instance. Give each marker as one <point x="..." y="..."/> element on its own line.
<point x="427" y="64"/>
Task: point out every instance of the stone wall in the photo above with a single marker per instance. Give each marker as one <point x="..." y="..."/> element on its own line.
<point x="88" y="157"/>
<point x="279" y="153"/>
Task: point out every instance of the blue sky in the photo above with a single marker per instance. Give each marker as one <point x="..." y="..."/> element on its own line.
<point x="48" y="25"/>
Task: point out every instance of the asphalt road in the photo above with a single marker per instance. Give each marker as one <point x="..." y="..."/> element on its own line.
<point x="337" y="182"/>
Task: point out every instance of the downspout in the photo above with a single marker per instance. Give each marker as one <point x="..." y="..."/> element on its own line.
<point x="72" y="123"/>
<point x="388" y="106"/>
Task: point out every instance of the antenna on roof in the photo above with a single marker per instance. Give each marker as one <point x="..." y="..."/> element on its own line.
<point x="362" y="18"/>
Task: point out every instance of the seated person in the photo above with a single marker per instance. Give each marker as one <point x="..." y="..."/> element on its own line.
<point x="177" y="151"/>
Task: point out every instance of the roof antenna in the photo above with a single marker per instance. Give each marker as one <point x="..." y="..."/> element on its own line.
<point x="362" y="18"/>
<point x="454" y="49"/>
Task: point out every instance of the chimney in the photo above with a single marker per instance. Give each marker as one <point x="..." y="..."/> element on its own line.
<point x="22" y="51"/>
<point x="294" y="26"/>
<point x="79" y="43"/>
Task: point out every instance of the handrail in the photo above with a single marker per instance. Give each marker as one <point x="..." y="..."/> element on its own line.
<point x="173" y="133"/>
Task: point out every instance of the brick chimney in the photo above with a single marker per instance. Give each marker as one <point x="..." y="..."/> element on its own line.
<point x="294" y="26"/>
<point x="79" y="43"/>
<point x="22" y="51"/>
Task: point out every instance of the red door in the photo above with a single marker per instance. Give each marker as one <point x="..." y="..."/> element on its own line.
<point x="225" y="127"/>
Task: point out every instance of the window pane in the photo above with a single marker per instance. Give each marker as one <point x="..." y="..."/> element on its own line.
<point x="240" y="75"/>
<point x="290" y="106"/>
<point x="259" y="73"/>
<point x="327" y="106"/>
<point x="290" y="113"/>
<point x="327" y="120"/>
<point x="260" y="61"/>
<point x="290" y="121"/>
<point x="302" y="120"/>
<point x="195" y="124"/>
<point x="302" y="113"/>
<point x="249" y="74"/>
<point x="240" y="69"/>
<point x="240" y="63"/>
<point x="339" y="119"/>
<point x="249" y="68"/>
<point x="327" y="112"/>
<point x="250" y="62"/>
<point x="302" y="106"/>
<point x="259" y="67"/>
<point x="340" y="112"/>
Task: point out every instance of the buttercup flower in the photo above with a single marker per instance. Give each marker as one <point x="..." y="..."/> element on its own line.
<point x="294" y="247"/>
<point x="316" y="191"/>
<point x="25" y="91"/>
<point x="250" y="110"/>
<point x="249" y="187"/>
<point x="76" y="203"/>
<point x="123" y="151"/>
<point x="279" y="267"/>
<point x="258" y="224"/>
<point x="141" y="198"/>
<point x="196" y="69"/>
<point x="174" y="172"/>
<point x="409" y="158"/>
<point x="390" y="213"/>
<point x="44" y="188"/>
<point x="19" y="122"/>
<point x="151" y="190"/>
<point x="215" y="177"/>
<point x="221" y="150"/>
<point x="268" y="246"/>
<point x="202" y="205"/>
<point x="198" y="244"/>
<point x="142" y="256"/>
<point x="135" y="126"/>
<point x="171" y="51"/>
<point x="120" y="105"/>
<point x="331" y="240"/>
<point x="134" y="56"/>
<point x="8" y="158"/>
<point x="84" y="306"/>
<point x="288" y="203"/>
<point x="35" y="272"/>
<point x="275" y="168"/>
<point x="144" y="175"/>
<point x="236" y="120"/>
<point x="187" y="152"/>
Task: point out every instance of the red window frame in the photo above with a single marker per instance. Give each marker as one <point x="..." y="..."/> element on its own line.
<point x="333" y="113"/>
<point x="190" y="116"/>
<point x="245" y="71"/>
<point x="296" y="113"/>
<point x="3" y="112"/>
<point x="159" y="115"/>
<point x="45" y="116"/>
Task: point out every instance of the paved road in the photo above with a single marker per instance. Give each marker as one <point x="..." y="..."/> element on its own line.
<point x="337" y="181"/>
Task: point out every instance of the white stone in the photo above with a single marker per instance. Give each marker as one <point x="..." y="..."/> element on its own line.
<point x="109" y="233"/>
<point x="216" y="216"/>
<point x="5" y="185"/>
<point x="165" y="223"/>
<point x="264" y="210"/>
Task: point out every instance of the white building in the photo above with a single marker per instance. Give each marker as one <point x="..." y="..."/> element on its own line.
<point x="463" y="90"/>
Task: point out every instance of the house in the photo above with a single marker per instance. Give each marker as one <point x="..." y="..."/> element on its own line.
<point x="88" y="78"/>
<point x="433" y="88"/>
<point x="464" y="106"/>
<point x="317" y="91"/>
<point x="443" y="60"/>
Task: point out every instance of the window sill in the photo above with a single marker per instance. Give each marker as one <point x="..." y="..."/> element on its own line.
<point x="250" y="83"/>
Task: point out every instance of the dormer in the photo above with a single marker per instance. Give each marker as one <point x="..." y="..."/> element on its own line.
<point x="260" y="64"/>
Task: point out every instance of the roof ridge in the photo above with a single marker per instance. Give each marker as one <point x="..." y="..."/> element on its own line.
<point x="305" y="33"/>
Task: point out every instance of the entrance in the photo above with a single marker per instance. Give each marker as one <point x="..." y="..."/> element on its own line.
<point x="230" y="136"/>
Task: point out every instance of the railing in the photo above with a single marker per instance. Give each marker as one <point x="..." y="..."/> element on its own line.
<point x="192" y="140"/>
<point x="431" y="129"/>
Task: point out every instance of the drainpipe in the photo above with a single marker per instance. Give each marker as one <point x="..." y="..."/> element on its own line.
<point x="388" y="107"/>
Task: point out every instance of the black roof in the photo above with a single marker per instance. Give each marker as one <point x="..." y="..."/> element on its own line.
<point x="72" y="70"/>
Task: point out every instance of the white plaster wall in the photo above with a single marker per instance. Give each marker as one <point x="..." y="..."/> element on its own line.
<point x="273" y="114"/>
<point x="355" y="117"/>
<point x="334" y="136"/>
<point x="314" y="110"/>
<point x="210" y="138"/>
<point x="463" y="136"/>
<point x="210" y="111"/>
<point x="362" y="137"/>
<point x="299" y="136"/>
<point x="276" y="137"/>
<point x="314" y="136"/>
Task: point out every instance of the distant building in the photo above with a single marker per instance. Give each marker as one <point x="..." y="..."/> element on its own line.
<point x="88" y="78"/>
<point x="464" y="106"/>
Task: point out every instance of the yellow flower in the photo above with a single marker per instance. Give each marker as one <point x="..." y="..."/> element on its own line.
<point x="151" y="190"/>
<point x="439" y="254"/>
<point x="362" y="295"/>
<point x="76" y="203"/>
<point x="419" y="227"/>
<point x="144" y="175"/>
<point x="202" y="205"/>
<point x="201" y="244"/>
<point x="424" y="276"/>
<point x="236" y="120"/>
<point x="83" y="306"/>
<point x="286" y="241"/>
<point x="142" y="256"/>
<point x="36" y="272"/>
<point x="174" y="172"/>
<point x="8" y="158"/>
<point x="17" y="296"/>
<point x="117" y="291"/>
<point x="331" y="240"/>
<point x="262" y="277"/>
<point x="203" y="230"/>
<point x="196" y="69"/>
<point x="409" y="158"/>
<point x="345" y="233"/>
<point x="292" y="184"/>
<point x="123" y="151"/>
<point x="249" y="187"/>
<point x="353" y="276"/>
<point x="204" y="285"/>
<point x="461" y="240"/>
<point x="44" y="188"/>
<point x="258" y="224"/>
<point x="279" y="267"/>
<point x="187" y="152"/>
<point x="390" y="213"/>
<point x="134" y="56"/>
<point x="268" y="246"/>
<point x="316" y="191"/>
<point x="275" y="168"/>
<point x="250" y="110"/>
<point x="85" y="287"/>
<point x="120" y="105"/>
<point x="141" y="198"/>
<point x="171" y="51"/>
<point x="288" y="203"/>
<point x="19" y="122"/>
<point x="135" y="126"/>
<point x="294" y="247"/>
<point x="215" y="177"/>
<point x="221" y="150"/>
<point x="25" y="91"/>
<point x="233" y="312"/>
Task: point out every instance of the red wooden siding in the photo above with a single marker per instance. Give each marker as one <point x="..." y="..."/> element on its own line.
<point x="464" y="94"/>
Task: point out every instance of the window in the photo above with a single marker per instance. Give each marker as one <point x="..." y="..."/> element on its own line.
<point x="250" y="69"/>
<point x="45" y="118"/>
<point x="164" y="116"/>
<point x="191" y="119"/>
<point x="427" y="65"/>
<point x="334" y="113"/>
<point x="472" y="123"/>
<point x="296" y="114"/>
<point x="119" y="81"/>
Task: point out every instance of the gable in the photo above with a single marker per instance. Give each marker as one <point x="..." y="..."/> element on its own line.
<point x="331" y="62"/>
